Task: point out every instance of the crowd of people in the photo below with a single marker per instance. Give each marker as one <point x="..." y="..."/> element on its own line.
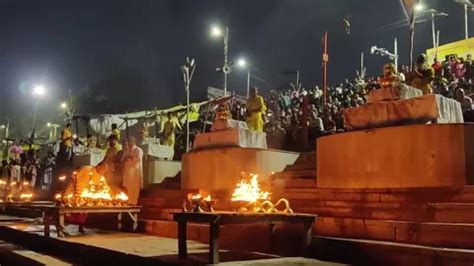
<point x="297" y="116"/>
<point x="122" y="167"/>
<point x="289" y="112"/>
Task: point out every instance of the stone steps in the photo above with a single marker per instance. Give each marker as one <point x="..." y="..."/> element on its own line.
<point x="372" y="252"/>
<point x="301" y="174"/>
<point x="306" y="157"/>
<point x="301" y="166"/>
<point x="448" y="235"/>
<point x="462" y="194"/>
<point x="11" y="254"/>
<point x="427" y="237"/>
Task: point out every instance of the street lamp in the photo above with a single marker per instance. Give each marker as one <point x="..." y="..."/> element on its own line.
<point x="384" y="52"/>
<point x="38" y="91"/>
<point x="217" y="32"/>
<point x="242" y="63"/>
<point x="63" y="105"/>
<point x="419" y="7"/>
<point x="467" y="5"/>
<point x="188" y="71"/>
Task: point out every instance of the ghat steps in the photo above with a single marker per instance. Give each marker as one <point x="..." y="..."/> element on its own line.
<point x="419" y="224"/>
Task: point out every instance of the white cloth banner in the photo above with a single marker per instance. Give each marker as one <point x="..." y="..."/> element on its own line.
<point x="227" y="124"/>
<point x="235" y="137"/>
<point x="449" y="110"/>
<point x="158" y="151"/>
<point x="92" y="159"/>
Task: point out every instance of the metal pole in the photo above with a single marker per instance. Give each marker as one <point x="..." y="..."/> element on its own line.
<point x="297" y="79"/>
<point x="226" y="54"/>
<point x="34" y="116"/>
<point x="361" y="63"/>
<point x="395" y="51"/>
<point x="248" y="83"/>
<point x="7" y="130"/>
<point x="187" y="114"/>
<point x="466" y="21"/>
<point x="325" y="68"/>
<point x="433" y="28"/>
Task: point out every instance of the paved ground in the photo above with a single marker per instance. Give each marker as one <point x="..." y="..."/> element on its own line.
<point x="10" y="250"/>
<point x="141" y="245"/>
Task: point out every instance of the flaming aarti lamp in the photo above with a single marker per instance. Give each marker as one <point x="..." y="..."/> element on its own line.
<point x="209" y="203"/>
<point x="248" y="197"/>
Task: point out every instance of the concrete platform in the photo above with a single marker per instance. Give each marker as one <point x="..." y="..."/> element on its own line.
<point x="156" y="171"/>
<point x="221" y="168"/>
<point x="433" y="155"/>
<point x="102" y="247"/>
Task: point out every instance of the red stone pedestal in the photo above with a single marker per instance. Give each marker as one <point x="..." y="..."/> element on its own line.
<point x="397" y="157"/>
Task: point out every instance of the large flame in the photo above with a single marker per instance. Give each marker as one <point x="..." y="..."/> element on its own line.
<point x="249" y="190"/>
<point x="94" y="194"/>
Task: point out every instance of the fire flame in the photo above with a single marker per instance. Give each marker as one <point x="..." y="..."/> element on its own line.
<point x="196" y="197"/>
<point x="249" y="191"/>
<point x="26" y="196"/>
<point x="254" y="199"/>
<point x="122" y="197"/>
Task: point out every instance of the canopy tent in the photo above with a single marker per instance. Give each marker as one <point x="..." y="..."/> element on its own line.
<point x="101" y="124"/>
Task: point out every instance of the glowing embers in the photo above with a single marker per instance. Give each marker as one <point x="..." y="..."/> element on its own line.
<point x="15" y="191"/>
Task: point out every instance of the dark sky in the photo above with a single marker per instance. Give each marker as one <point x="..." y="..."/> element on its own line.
<point x="74" y="44"/>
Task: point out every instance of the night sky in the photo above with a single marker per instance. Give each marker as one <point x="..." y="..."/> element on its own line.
<point x="128" y="53"/>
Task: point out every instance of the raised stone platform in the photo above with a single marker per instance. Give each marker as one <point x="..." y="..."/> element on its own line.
<point x="398" y="157"/>
<point x="221" y="168"/>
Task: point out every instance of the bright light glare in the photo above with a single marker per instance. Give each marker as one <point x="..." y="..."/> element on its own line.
<point x="64" y="105"/>
<point x="48" y="124"/>
<point x="38" y="90"/>
<point x="419" y="7"/>
<point x="241" y="63"/>
<point x="2" y="126"/>
<point x="216" y="31"/>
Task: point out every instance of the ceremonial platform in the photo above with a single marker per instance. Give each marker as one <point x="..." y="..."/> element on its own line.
<point x="221" y="168"/>
<point x="398" y="157"/>
<point x="219" y="157"/>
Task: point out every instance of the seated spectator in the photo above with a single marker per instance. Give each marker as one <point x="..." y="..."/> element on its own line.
<point x="466" y="102"/>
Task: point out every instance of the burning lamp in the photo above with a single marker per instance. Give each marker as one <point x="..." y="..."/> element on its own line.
<point x="209" y="203"/>
<point x="196" y="202"/>
<point x="250" y="198"/>
<point x="26" y="196"/>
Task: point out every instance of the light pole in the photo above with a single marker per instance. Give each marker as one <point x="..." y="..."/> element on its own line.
<point x="6" y="127"/>
<point x="38" y="91"/>
<point x="188" y="72"/>
<point x="226" y="69"/>
<point x="435" y="13"/>
<point x="384" y="52"/>
<point x="242" y="63"/>
<point x="53" y="130"/>
<point x="467" y="5"/>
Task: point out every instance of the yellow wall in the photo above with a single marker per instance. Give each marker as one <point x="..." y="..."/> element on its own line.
<point x="461" y="48"/>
